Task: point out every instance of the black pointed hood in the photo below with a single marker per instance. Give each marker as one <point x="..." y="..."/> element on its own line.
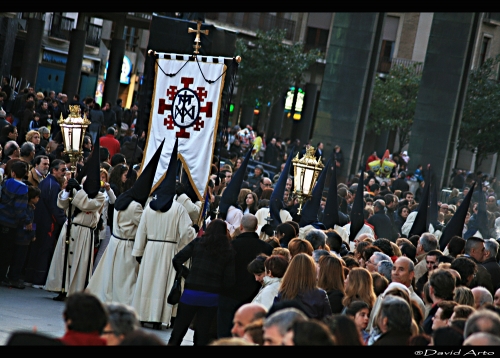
<point x="230" y="195"/>
<point x="276" y="200"/>
<point x="92" y="183"/>
<point x="310" y="211"/>
<point x="331" y="214"/>
<point x="165" y="192"/>
<point x="188" y="188"/>
<point x="420" y="224"/>
<point x="357" y="214"/>
<point x="455" y="226"/>
<point x="142" y="186"/>
<point x="433" y="212"/>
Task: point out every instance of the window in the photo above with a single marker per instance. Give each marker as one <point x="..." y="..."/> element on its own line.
<point x="485" y="44"/>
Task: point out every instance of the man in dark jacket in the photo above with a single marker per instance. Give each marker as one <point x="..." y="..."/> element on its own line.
<point x="474" y="249"/>
<point x="490" y="262"/>
<point x="247" y="246"/>
<point x="381" y="222"/>
<point x="400" y="183"/>
<point x="49" y="219"/>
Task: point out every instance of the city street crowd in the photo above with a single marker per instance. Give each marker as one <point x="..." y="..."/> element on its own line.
<point x="378" y="258"/>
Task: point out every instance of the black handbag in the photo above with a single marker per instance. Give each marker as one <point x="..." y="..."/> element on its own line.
<point x="175" y="292"/>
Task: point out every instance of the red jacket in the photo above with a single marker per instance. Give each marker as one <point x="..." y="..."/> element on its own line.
<point x="74" y="338"/>
<point x="109" y="142"/>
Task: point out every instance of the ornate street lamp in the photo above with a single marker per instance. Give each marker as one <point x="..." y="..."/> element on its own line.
<point x="306" y="172"/>
<point x="73" y="131"/>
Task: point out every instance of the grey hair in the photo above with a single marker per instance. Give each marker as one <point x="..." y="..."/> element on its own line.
<point x="385" y="268"/>
<point x="122" y="318"/>
<point x="482" y="321"/>
<point x="491" y="340"/>
<point x="284" y="319"/>
<point x="43" y="130"/>
<point x="484" y="295"/>
<point x="428" y="242"/>
<point x="249" y="222"/>
<point x="380" y="256"/>
<point x="317" y="254"/>
<point x="317" y="238"/>
<point x="491" y="245"/>
<point x="27" y="148"/>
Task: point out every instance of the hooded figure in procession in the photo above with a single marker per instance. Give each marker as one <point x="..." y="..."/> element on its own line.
<point x="116" y="274"/>
<point x="165" y="228"/>
<point x="86" y="207"/>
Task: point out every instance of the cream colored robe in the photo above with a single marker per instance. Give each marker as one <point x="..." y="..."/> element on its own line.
<point x="261" y="216"/>
<point x="193" y="209"/>
<point x="172" y="231"/>
<point x="81" y="244"/>
<point x="116" y="274"/>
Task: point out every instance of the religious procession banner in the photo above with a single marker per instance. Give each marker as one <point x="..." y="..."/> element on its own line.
<point x="186" y="105"/>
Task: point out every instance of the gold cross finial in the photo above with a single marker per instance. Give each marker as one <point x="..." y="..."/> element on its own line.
<point x="197" y="40"/>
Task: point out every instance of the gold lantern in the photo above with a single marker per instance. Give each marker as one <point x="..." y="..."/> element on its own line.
<point x="73" y="131"/>
<point x="306" y="172"/>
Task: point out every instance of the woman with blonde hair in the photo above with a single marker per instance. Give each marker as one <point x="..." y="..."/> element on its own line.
<point x="299" y="284"/>
<point x="297" y="246"/>
<point x="331" y="279"/>
<point x="359" y="287"/>
<point x="463" y="296"/>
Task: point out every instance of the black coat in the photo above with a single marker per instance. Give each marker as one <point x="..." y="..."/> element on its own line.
<point x="382" y="225"/>
<point x="493" y="269"/>
<point x="335" y="297"/>
<point x="247" y="247"/>
<point x="400" y="184"/>
<point x="483" y="278"/>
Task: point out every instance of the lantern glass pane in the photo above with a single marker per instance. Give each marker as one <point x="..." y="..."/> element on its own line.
<point x="308" y="178"/>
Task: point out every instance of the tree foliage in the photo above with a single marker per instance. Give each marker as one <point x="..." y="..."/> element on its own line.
<point x="480" y="127"/>
<point x="270" y="66"/>
<point x="394" y="100"/>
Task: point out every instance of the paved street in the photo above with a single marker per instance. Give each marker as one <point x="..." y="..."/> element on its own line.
<point x="31" y="307"/>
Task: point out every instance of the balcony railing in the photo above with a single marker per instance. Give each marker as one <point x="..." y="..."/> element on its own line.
<point x="94" y="33"/>
<point x="255" y="21"/>
<point x="61" y="26"/>
<point x="385" y="64"/>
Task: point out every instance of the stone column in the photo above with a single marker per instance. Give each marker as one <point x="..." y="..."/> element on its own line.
<point x="31" y="53"/>
<point x="117" y="51"/>
<point x="78" y="37"/>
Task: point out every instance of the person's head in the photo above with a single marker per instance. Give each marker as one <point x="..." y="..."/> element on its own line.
<point x="431" y="260"/>
<point x="461" y="312"/>
<point x="87" y="142"/>
<point x="104" y="154"/>
<point x="84" y="313"/>
<point x="42" y="164"/>
<point x="279" y="323"/>
<point x="331" y="274"/>
<point x="443" y="314"/>
<point x="481" y="296"/>
<point x="58" y="169"/>
<point x="309" y="333"/>
<point x="466" y="267"/>
<point x="275" y="266"/>
<point x="442" y="284"/>
<point x="122" y="320"/>
<point x="245" y="315"/>
<point x="285" y="232"/>
<point x="482" y="339"/>
<point x="118" y="175"/>
<point x="394" y="315"/>
<point x="258" y="170"/>
<point x="496" y="298"/>
<point x="482" y="321"/>
<point x="33" y="137"/>
<point x="317" y="238"/>
<point x="456" y="246"/>
<point x="426" y="243"/>
<point x="344" y="330"/>
<point x="447" y="336"/>
<point x="384" y="268"/>
<point x="266" y="183"/>
<point x="297" y="246"/>
<point x="27" y="151"/>
<point x="359" y="286"/>
<point x="385" y="246"/>
<point x="463" y="296"/>
<point x="248" y="223"/>
<point x="334" y="241"/>
<point x="299" y="277"/>
<point x="256" y="267"/>
<point x="281" y="251"/>
<point x="360" y="312"/>
<point x="408" y="250"/>
<point x="490" y="248"/>
<point x="474" y="247"/>
<point x="117" y="159"/>
<point x="33" y="195"/>
<point x="372" y="263"/>
<point x="18" y="170"/>
<point x="111" y="130"/>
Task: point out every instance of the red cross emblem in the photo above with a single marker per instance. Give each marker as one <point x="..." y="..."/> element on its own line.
<point x="183" y="107"/>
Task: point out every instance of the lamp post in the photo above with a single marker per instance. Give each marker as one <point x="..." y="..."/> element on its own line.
<point x="306" y="172"/>
<point x="73" y="131"/>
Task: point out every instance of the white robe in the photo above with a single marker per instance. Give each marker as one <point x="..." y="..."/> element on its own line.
<point x="116" y="274"/>
<point x="261" y="216"/>
<point x="160" y="236"/>
<point x="193" y="209"/>
<point x="81" y="244"/>
<point x="233" y="219"/>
